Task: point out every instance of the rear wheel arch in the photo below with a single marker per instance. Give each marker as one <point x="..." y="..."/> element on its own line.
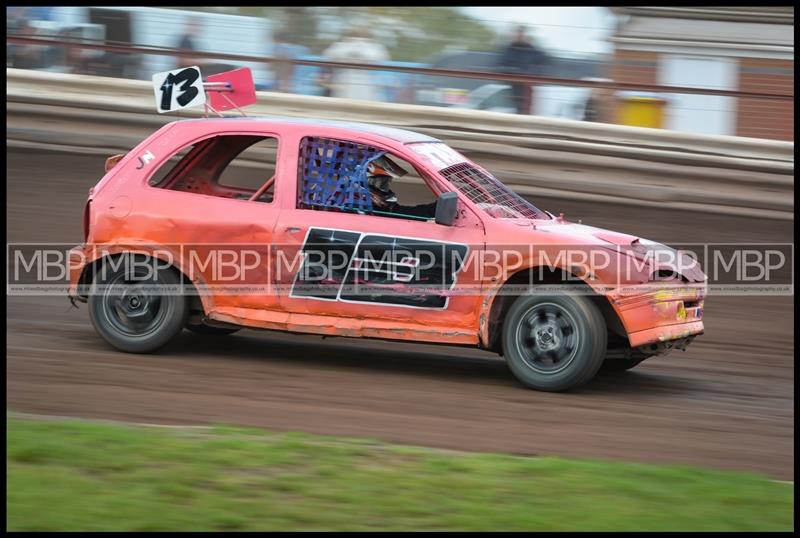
<point x="201" y="301"/>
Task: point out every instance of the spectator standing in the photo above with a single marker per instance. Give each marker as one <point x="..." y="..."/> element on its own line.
<point x="284" y="70"/>
<point x="357" y="46"/>
<point x="325" y="81"/>
<point x="25" y="56"/>
<point x="187" y="43"/>
<point x="598" y="103"/>
<point x="15" y="24"/>
<point x="70" y="59"/>
<point x="521" y="57"/>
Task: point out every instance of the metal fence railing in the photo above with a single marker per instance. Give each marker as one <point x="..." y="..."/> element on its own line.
<point x="414" y="84"/>
<point x="533" y="155"/>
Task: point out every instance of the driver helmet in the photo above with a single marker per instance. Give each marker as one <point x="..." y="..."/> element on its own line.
<point x="380" y="174"/>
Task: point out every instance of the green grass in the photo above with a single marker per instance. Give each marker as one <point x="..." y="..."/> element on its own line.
<point x="75" y="475"/>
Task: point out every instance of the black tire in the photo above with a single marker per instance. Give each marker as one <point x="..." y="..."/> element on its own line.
<point x="554" y="343"/>
<point x="131" y="316"/>
<point x="620" y="365"/>
<point x="214" y="331"/>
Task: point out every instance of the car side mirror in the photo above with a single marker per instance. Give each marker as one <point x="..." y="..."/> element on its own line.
<point x="446" y="208"/>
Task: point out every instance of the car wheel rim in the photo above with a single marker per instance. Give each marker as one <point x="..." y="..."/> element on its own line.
<point x="131" y="309"/>
<point x="547" y="338"/>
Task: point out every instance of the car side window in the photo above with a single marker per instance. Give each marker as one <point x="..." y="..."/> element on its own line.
<point x="240" y="167"/>
<point x="157" y="179"/>
<point x="345" y="176"/>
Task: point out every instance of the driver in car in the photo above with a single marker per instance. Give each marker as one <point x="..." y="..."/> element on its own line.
<point x="380" y="173"/>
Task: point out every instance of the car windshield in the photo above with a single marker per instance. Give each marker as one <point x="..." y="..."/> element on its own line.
<point x="476" y="183"/>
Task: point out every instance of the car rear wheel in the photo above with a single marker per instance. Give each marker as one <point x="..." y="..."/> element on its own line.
<point x="129" y="313"/>
<point x="555" y="342"/>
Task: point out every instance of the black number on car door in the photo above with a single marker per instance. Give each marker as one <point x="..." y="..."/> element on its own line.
<point x="378" y="269"/>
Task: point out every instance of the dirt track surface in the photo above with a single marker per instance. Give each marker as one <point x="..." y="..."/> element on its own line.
<point x="727" y="402"/>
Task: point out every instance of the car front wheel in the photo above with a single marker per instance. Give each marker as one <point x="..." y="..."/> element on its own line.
<point x="554" y="342"/>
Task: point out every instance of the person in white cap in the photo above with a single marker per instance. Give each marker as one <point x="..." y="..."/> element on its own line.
<point x="357" y="46"/>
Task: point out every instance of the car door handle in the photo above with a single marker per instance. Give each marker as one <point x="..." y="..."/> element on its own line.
<point x="293" y="229"/>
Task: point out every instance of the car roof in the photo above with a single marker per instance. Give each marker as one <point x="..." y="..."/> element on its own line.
<point x="399" y="135"/>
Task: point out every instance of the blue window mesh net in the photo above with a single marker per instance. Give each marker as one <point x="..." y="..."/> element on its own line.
<point x="333" y="174"/>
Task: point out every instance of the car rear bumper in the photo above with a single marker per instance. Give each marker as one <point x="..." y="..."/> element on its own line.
<point x="78" y="259"/>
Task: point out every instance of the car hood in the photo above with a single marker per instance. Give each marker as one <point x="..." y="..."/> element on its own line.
<point x="660" y="257"/>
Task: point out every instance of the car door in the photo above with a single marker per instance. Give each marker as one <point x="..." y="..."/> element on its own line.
<point x="198" y="199"/>
<point x="337" y="265"/>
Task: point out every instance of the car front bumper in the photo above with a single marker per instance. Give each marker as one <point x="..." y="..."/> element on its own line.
<point x="662" y="315"/>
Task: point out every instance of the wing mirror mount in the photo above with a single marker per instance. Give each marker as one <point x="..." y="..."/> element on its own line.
<point x="446" y="208"/>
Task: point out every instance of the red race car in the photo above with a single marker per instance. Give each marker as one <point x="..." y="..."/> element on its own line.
<point x="348" y="229"/>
